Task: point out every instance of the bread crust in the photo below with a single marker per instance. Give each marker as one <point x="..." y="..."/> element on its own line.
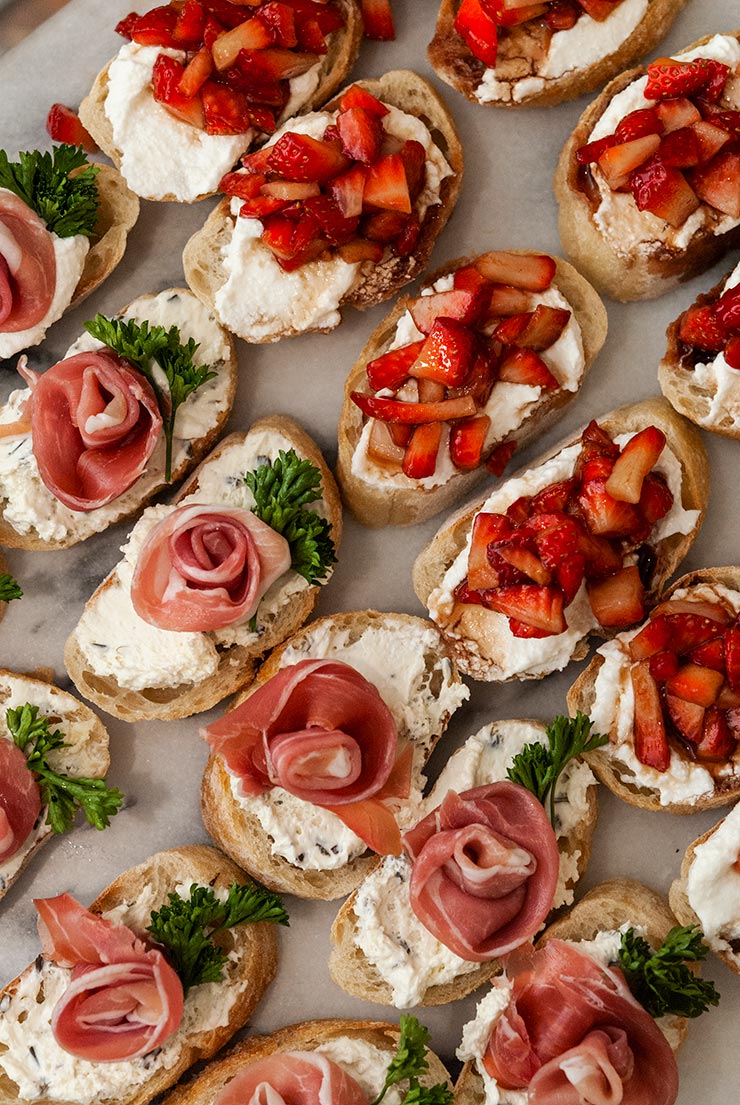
<point x="637" y="275"/>
<point x="255" y="948"/>
<point x="199" y="448"/>
<point x="405" y="506"/>
<point x="343" y="48"/>
<point x="581" y="697"/>
<point x="237" y="664"/>
<point x="117" y="214"/>
<point x="203" y="254"/>
<point x="684" y="441"/>
<point x="459" y="67"/>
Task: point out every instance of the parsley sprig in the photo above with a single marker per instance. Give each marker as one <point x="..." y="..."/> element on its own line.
<point x="160" y="356"/>
<point x="538" y="767"/>
<point x="661" y="981"/>
<point x="282" y="490"/>
<point x="409" y="1064"/>
<point x="185" y="927"/>
<point x="67" y="204"/>
<point x="62" y="794"/>
<point x="9" y="588"/>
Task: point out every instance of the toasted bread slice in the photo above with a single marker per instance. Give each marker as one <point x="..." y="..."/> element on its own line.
<point x="607" y="907"/>
<point x="349" y="965"/>
<point x="473" y="639"/>
<point x="620" y="268"/>
<point x="343" y="48"/>
<point x="708" y="790"/>
<point x="117" y="214"/>
<point x="401" y="501"/>
<point x="203" y="416"/>
<point x="230" y="659"/>
<point x="203" y="257"/>
<point x="307" y="1036"/>
<point x="251" y="966"/>
<point x="85" y="751"/>
<point x="379" y="646"/>
<point x="459" y="67"/>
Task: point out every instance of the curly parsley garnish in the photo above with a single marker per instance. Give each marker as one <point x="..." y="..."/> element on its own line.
<point x="409" y="1064"/>
<point x="67" y="204"/>
<point x="9" y="588"/>
<point x="62" y="794"/>
<point x="661" y="981"/>
<point x="162" y="358"/>
<point x="282" y="489"/>
<point x="185" y="927"/>
<point x="538" y="767"/>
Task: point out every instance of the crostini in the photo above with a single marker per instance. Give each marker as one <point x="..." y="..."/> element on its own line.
<point x="53" y="761"/>
<point x="499" y="343"/>
<point x="126" y="954"/>
<point x="526" y="54"/>
<point x="375" y="680"/>
<point x="94" y="438"/>
<point x="340" y="208"/>
<point x="649" y="182"/>
<point x="578" y="544"/>
<point x="596" y="976"/>
<point x="199" y="84"/>
<point x="213" y="581"/>
<point x="63" y="229"/>
<point x="392" y="944"/>
<point x="666" y="693"/>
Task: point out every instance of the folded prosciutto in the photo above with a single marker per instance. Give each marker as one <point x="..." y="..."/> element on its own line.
<point x="321" y="731"/>
<point x="485" y="868"/>
<point x="123" y="999"/>
<point x="573" y="1033"/>
<point x="292" y="1078"/>
<point x="20" y="801"/>
<point x="28" y="269"/>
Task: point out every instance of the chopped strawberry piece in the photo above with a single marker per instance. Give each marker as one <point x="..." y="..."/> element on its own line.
<point x="597" y="468"/>
<point x="690" y="630"/>
<point x="506" y="301"/>
<point x="662" y="665"/>
<point x="524" y="561"/>
<point x="709" y="139"/>
<point x="680" y="149"/>
<point x="252" y="35"/>
<point x="544" y="327"/>
<point x="523" y="366"/>
<point x="347" y="191"/>
<point x="356" y="96"/>
<point x="594" y="436"/>
<point x="420" y="460"/>
<point x="405" y="243"/>
<point x="301" y="157"/>
<point x="714" y="612"/>
<point x="382" y="447"/>
<point x="592" y="151"/>
<point x="727" y="309"/>
<point x="728" y="121"/>
<point x="651" y="743"/>
<point x="598" y="9"/>
<point x="447" y="354"/>
<point x="500" y="457"/>
<point x="362" y="134"/>
<point x="732" y="657"/>
<point x="259" y="70"/>
<point x="213" y="29"/>
<point x="700" y="327"/>
<point x="718" y="183"/>
<point x="555" y="497"/>
<point x="228" y="13"/>
<point x="519" y="629"/>
<point x="664" y="191"/>
<point x="467" y="439"/>
<point x="328" y="216"/>
<point x="386" y="186"/>
<point x="281" y="19"/>
<point x="261" y="206"/>
<point x="392" y="368"/>
<point x="710" y="655"/>
<point x="508" y="14"/>
<point x="562" y="15"/>
<point x="569" y="576"/>
<point x="602" y="558"/>
<point x="63" y="125"/>
<point x="166" y="76"/>
<point x="618" y="600"/>
<point x="695" y="684"/>
<point x="618" y="162"/>
<point x="519" y="510"/>
<point x="458" y="303"/>
<point x="391" y="410"/>
<point x="377" y="18"/>
<point x="414" y="159"/>
<point x="677" y="113"/>
<point x="656" y="498"/>
<point x="540" y="607"/>
<point x="290" y="190"/>
<point x="633" y="464"/>
<point x="385" y="226"/>
<point x="224" y="110"/>
<point x="478" y="30"/>
<point x="732" y="353"/>
<point x="653" y="638"/>
<point x="197" y="72"/>
<point x="154" y="28"/>
<point x="509" y="331"/>
<point x="688" y="717"/>
<point x="718" y="743"/>
<point x="534" y="272"/>
<point x="668" y="78"/>
<point x="604" y="515"/>
<point x="486" y="528"/>
<point x="244" y="185"/>
<point x="639" y="123"/>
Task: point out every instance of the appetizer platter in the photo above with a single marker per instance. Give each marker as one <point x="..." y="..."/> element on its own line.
<point x="159" y="760"/>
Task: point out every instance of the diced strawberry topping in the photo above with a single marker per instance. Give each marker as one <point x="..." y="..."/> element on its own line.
<point x="391" y="369"/>
<point x="386" y="185"/>
<point x="166" y="76"/>
<point x="539" y="607"/>
<point x="639" y="123"/>
<point x="732" y="657"/>
<point x="523" y="366"/>
<point x="391" y="410"/>
<point x="467" y="440"/>
<point x="420" y="459"/>
<point x="618" y="600"/>
<point x="681" y="149"/>
<point x="710" y="655"/>
<point x="63" y="125"/>
<point x="688" y="717"/>
<point x="478" y="30"/>
<point x="487" y="528"/>
<point x="634" y="463"/>
<point x="362" y="134"/>
<point x="467" y="306"/>
<point x="651" y="742"/>
<point x="718" y="182"/>
<point x="377" y="18"/>
<point x="664" y="191"/>
<point x="534" y="272"/>
<point x="500" y="457"/>
<point x="663" y="665"/>
<point x="669" y="78"/>
<point x="718" y="742"/>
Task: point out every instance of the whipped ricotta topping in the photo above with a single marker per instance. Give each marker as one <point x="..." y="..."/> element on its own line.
<point x="713" y="886"/>
<point x="720" y="381"/>
<point x="365" y="1062"/>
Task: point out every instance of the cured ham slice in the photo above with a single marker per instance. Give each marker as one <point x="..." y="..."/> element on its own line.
<point x="485" y="868"/>
<point x="321" y="731"/>
<point x="206" y="567"/>
<point x="94" y="425"/>
<point x="573" y="1033"/>
<point x="292" y="1078"/>
<point x="20" y="800"/>
<point x="28" y="268"/>
<point x="123" y="998"/>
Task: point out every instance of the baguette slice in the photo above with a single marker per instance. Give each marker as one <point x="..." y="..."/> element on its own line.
<point x="630" y="273"/>
<point x="349" y="966"/>
<point x="396" y="640"/>
<point x="117" y="214"/>
<point x="461" y="69"/>
<point x="250" y="968"/>
<point x="469" y="646"/>
<point x="204" y="253"/>
<point x="405" y="505"/>
<point x="343" y="48"/>
<point x="236" y="662"/>
<point x="306" y="1036"/>
<point x="53" y="525"/>
<point x="606" y="766"/>
<point x="85" y="752"/>
<point x="608" y="906"/>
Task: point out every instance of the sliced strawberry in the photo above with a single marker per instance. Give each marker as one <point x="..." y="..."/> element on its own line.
<point x="639" y="123"/>
<point x="487" y="527"/>
<point x="695" y="684"/>
<point x="592" y="151"/>
<point x="478" y="31"/>
<point x="688" y="717"/>
<point x="509" y="330"/>
<point x="282" y="19"/>
<point x="533" y="272"/>
<point x="326" y="213"/>
<point x="656" y="498"/>
<point x="481" y="377"/>
<point x="544" y="327"/>
<point x="386" y="186"/>
<point x="467" y="439"/>
<point x="688" y="631"/>
<point x="540" y="607"/>
<point x="261" y="206"/>
<point x="377" y="18"/>
<point x="595" y="438"/>
<point x="732" y="657"/>
<point x="420" y="460"/>
<point x="562" y="15"/>
<point x="506" y="301"/>
<point x="229" y="14"/>
<point x="190" y="25"/>
<point x="569" y="577"/>
<point x="197" y="72"/>
<point x="63" y="125"/>
<point x="718" y="742"/>
<point x="385" y="226"/>
<point x="727" y="309"/>
<point x="412" y="414"/>
<point x="604" y="515"/>
<point x="301" y="157"/>
<point x="414" y="158"/>
<point x="519" y="510"/>
<point x="166" y="76"/>
<point x="381" y="446"/>
<point x="699" y="327"/>
<point x="662" y="665"/>
<point x="653" y="638"/>
<point x="447" y="354"/>
<point x="290" y="190"/>
<point x="355" y="96"/>
<point x="633" y="464"/>
<point x="618" y="600"/>
<point x="663" y="191"/>
<point x="245" y="185"/>
<point x="523" y="366"/>
<point x="601" y="556"/>
<point x="732" y="353"/>
<point x="362" y="134"/>
<point x="512" y="14"/>
<point x="718" y="183"/>
<point x="556" y="539"/>
<point x="714" y="613"/>
<point x="619" y="161"/>
<point x="405" y="243"/>
<point x="524" y="561"/>
<point x="555" y="497"/>
<point x="677" y="113"/>
<point x="458" y="303"/>
<point x="680" y="149"/>
<point x="709" y="138"/>
<point x="500" y="457"/>
<point x="328" y="17"/>
<point x="252" y="35"/>
<point x="597" y="468"/>
<point x="710" y="655"/>
<point x="392" y="368"/>
<point x="154" y="28"/>
<point x="651" y="743"/>
<point x="668" y="77"/>
<point x="528" y="632"/>
<point x="224" y="110"/>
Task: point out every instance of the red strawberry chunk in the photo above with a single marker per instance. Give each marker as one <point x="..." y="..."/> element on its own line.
<point x="639" y="123"/>
<point x="478" y="30"/>
<point x="727" y="309"/>
<point x="166" y="76"/>
<point x="412" y="414"/>
<point x="63" y="125"/>
<point x="601" y="556"/>
<point x="592" y="151"/>
<point x="680" y="149"/>
<point x="599" y="439"/>
<point x="420" y="460"/>
<point x="618" y="162"/>
<point x="506" y="301"/>
<point x="224" y="110"/>
<point x="695" y="684"/>
<point x="327" y="214"/>
<point x="362" y="134"/>
<point x="466" y="306"/>
<point x="523" y="366"/>
<point x="524" y="561"/>
<point x="467" y="439"/>
<point x="732" y="657"/>
<point x="668" y="77"/>
<point x="604" y="515"/>
<point x="392" y="368"/>
<point x="519" y="629"/>
<point x="533" y="272"/>
<point x="405" y="243"/>
<point x="508" y="331"/>
<point x="290" y="190"/>
<point x="414" y="158"/>
<point x="244" y="185"/>
<point x="154" y="28"/>
<point x="519" y="510"/>
<point x="544" y="327"/>
<point x="732" y="353"/>
<point x="633" y="464"/>
<point x="556" y="539"/>
<point x="255" y="34"/>
<point x="598" y="9"/>
<point x="718" y="183"/>
<point x="656" y="498"/>
<point x="540" y="607"/>
<point x="688" y="717"/>
<point x="618" y="600"/>
<point x="486" y="528"/>
<point x="677" y="113"/>
<point x="663" y="191"/>
<point x="555" y="497"/>
<point x="718" y="742"/>
<point x="700" y="327"/>
<point x="508" y="14"/>
<point x="651" y="743"/>
<point x="347" y="191"/>
<point x="385" y="226"/>
<point x="197" y="72"/>
<point x="653" y="638"/>
<point x="662" y="665"/>
<point x="710" y="655"/>
<point x="500" y="457"/>
<point x="301" y="157"/>
<point x="709" y="139"/>
<point x="377" y="18"/>
<point x="569" y="577"/>
<point x="447" y="354"/>
<point x="356" y="96"/>
<point x="261" y="207"/>
<point x="386" y="186"/>
<point x="281" y="18"/>
<point x="690" y="630"/>
<point x="562" y="15"/>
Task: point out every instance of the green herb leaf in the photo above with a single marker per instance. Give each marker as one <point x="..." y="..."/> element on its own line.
<point x="67" y="204"/>
<point x="250" y="904"/>
<point x="429" y="1095"/>
<point x="63" y="795"/>
<point x="661" y="981"/>
<point x="162" y="358"/>
<point x="9" y="588"/>
<point x="282" y="489"/>
<point x="409" y="1064"/>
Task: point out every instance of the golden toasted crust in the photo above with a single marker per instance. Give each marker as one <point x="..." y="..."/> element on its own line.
<point x="637" y="275"/>
<point x="117" y="214"/>
<point x="401" y="506"/>
<point x="581" y="697"/>
<point x="683" y="440"/>
<point x="254" y="962"/>
<point x="459" y="67"/>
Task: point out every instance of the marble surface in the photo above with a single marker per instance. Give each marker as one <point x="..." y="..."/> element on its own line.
<point x="506" y="201"/>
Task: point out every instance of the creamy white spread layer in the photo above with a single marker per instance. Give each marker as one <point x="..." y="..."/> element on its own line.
<point x="27" y="504"/>
<point x="721" y="381"/>
<point x="713" y="885"/>
<point x="365" y="1062"/>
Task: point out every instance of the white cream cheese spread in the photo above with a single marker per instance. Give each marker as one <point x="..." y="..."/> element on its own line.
<point x="365" y="1062"/>
<point x="713" y="886"/>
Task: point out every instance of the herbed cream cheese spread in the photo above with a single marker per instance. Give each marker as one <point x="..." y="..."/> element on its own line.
<point x="720" y="381"/>
<point x="713" y="886"/>
<point x="365" y="1062"/>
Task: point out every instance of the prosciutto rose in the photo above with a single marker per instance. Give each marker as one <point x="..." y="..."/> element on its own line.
<point x="485" y="868"/>
<point x="293" y="1078"/>
<point x="28" y="269"/>
<point x="123" y="999"/>
<point x="321" y="731"/>
<point x="20" y="800"/>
